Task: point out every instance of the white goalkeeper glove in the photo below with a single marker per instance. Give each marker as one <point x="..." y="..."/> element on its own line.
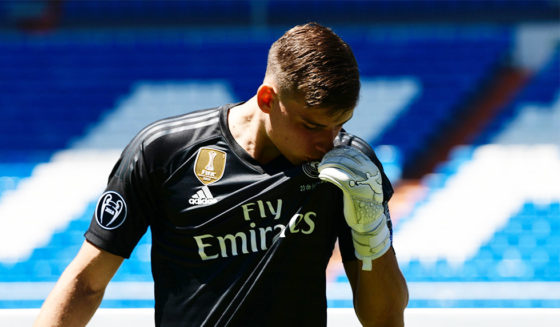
<point x="360" y="181"/>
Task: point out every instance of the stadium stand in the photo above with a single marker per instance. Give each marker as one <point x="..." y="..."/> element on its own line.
<point x="543" y="90"/>
<point x="113" y="13"/>
<point x="91" y="74"/>
<point x="524" y="139"/>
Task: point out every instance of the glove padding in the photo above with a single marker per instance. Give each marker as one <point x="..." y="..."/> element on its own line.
<point x="360" y="181"/>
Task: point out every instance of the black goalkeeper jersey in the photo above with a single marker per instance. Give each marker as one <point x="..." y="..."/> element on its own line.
<point x="234" y="242"/>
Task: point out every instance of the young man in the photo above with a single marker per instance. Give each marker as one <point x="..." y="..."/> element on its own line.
<point x="243" y="216"/>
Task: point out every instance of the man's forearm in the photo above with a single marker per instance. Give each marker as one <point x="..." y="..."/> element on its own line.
<point x="380" y="295"/>
<point x="80" y="289"/>
<point x="71" y="303"/>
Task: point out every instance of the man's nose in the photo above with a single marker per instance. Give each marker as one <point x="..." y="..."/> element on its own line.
<point x="325" y="140"/>
<point x="322" y="149"/>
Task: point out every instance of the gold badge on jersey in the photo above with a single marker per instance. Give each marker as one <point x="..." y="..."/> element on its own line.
<point x="209" y="165"/>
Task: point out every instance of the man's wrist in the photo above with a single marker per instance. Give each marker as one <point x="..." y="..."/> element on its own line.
<point x="371" y="245"/>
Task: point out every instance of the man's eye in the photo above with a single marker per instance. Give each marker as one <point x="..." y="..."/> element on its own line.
<point x="310" y="127"/>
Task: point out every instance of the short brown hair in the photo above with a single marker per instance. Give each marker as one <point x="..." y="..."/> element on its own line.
<point x="313" y="63"/>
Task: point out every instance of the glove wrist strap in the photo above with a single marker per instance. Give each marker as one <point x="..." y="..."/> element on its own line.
<point x="371" y="245"/>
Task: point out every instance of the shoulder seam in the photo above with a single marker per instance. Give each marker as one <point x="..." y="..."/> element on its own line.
<point x="164" y="127"/>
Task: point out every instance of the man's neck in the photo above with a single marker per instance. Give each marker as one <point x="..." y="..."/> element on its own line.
<point x="246" y="123"/>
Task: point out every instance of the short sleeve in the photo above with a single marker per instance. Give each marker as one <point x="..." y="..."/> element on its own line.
<point x="122" y="211"/>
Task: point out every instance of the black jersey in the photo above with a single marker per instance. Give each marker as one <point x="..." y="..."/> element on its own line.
<point x="234" y="243"/>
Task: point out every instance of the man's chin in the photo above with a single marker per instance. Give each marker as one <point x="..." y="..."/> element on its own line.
<point x="302" y="160"/>
<point x="297" y="161"/>
<point x="310" y="159"/>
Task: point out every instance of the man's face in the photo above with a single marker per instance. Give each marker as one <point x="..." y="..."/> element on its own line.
<point x="303" y="134"/>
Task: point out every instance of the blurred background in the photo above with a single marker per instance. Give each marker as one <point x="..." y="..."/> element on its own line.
<point x="460" y="100"/>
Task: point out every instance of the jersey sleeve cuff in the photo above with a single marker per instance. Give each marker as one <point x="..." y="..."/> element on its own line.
<point x="102" y="244"/>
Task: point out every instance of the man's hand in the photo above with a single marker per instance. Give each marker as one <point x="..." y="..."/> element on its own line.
<point x="360" y="181"/>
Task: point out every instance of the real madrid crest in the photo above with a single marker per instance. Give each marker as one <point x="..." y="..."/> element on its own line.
<point x="311" y="169"/>
<point x="209" y="165"/>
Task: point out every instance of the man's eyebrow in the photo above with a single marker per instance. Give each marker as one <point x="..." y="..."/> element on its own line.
<point x="310" y="122"/>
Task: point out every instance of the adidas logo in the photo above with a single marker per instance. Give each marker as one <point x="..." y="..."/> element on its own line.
<point x="203" y="196"/>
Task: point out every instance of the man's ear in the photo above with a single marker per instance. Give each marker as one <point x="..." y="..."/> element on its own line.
<point x="266" y="97"/>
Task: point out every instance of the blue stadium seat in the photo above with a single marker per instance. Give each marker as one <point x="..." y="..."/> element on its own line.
<point x="65" y="82"/>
